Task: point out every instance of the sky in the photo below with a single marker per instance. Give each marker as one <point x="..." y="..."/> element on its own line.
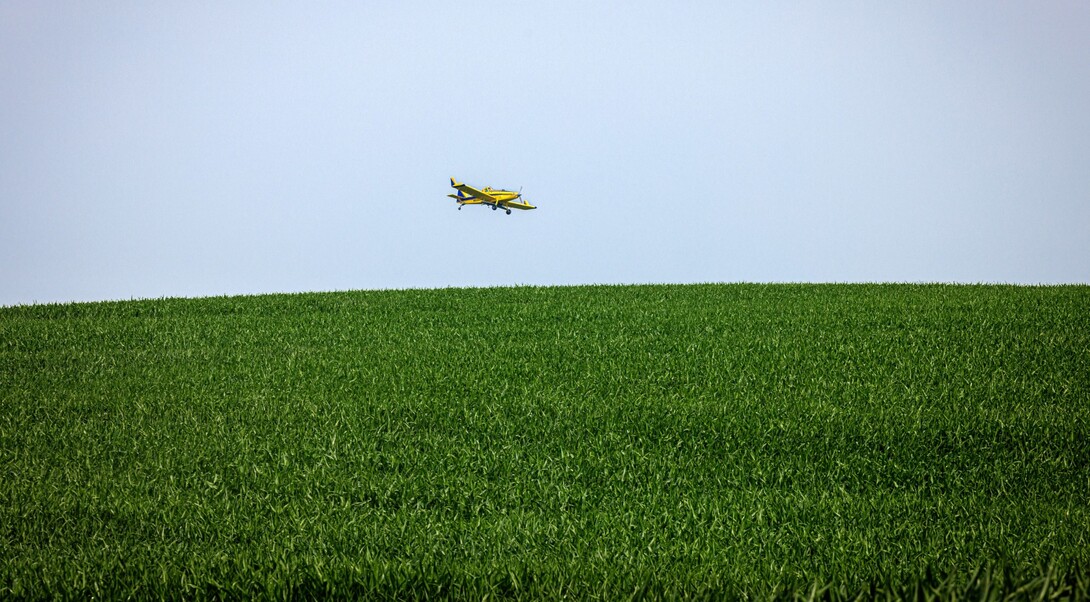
<point x="187" y="149"/>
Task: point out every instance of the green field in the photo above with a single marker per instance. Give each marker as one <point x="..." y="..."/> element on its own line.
<point x="615" y="442"/>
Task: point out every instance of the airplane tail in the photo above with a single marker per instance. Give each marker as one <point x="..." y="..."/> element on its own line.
<point x="458" y="193"/>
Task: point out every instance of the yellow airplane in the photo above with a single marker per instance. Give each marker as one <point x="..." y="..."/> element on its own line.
<point x="497" y="199"/>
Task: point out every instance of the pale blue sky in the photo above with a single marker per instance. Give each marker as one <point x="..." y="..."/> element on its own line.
<point x="154" y="149"/>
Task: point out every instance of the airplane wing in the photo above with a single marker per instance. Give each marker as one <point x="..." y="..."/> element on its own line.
<point x="473" y="192"/>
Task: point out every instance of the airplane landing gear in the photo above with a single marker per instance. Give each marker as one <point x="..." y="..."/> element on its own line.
<point x="508" y="212"/>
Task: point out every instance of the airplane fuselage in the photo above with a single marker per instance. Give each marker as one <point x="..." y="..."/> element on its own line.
<point x="502" y="195"/>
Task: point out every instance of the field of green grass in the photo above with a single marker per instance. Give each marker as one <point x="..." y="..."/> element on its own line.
<point x="615" y="442"/>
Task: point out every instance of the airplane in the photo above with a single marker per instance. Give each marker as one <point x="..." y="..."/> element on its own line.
<point x="497" y="199"/>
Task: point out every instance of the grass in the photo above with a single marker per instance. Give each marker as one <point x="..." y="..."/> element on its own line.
<point x="618" y="442"/>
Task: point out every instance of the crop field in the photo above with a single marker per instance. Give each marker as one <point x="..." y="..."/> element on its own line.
<point x="616" y="442"/>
